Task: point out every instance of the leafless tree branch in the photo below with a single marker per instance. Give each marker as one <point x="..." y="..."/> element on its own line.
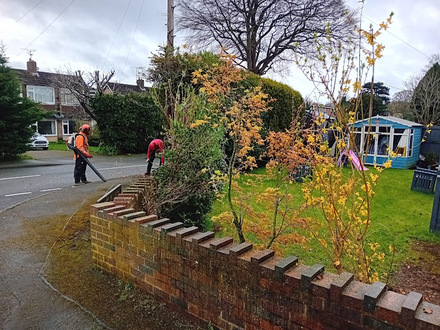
<point x="83" y="89"/>
<point x="263" y="32"/>
<point x="426" y="97"/>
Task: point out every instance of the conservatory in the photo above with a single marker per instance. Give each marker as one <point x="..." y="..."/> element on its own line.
<point x="388" y="135"/>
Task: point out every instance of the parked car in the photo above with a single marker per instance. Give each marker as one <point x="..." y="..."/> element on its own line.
<point x="39" y="141"/>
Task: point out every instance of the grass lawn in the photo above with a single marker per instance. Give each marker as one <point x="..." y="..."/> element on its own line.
<point x="62" y="146"/>
<point x="399" y="216"/>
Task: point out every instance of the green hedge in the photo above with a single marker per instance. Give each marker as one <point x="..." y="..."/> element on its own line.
<point x="127" y="123"/>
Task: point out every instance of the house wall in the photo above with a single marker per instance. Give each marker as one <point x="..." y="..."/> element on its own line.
<point x="60" y="111"/>
<point x="228" y="285"/>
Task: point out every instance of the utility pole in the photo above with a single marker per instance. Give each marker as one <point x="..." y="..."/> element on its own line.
<point x="170" y="25"/>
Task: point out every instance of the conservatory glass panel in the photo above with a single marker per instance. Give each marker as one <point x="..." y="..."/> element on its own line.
<point x="383" y="144"/>
<point x="357" y="141"/>
<point x="369" y="143"/>
<point x="385" y="129"/>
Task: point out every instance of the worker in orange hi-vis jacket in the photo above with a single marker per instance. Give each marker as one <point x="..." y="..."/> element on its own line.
<point x="82" y="144"/>
<point x="156" y="145"/>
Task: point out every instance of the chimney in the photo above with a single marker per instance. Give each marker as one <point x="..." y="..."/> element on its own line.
<point x="140" y="83"/>
<point x="32" y="67"/>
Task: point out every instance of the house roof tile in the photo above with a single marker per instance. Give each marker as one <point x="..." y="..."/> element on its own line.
<point x="125" y="88"/>
<point x="40" y="79"/>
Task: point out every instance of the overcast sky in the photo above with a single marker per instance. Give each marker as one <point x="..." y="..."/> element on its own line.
<point x="122" y="35"/>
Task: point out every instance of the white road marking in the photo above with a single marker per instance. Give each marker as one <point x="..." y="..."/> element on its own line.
<point x="20" y="177"/>
<point x="115" y="168"/>
<point x="52" y="189"/>
<point x="18" y="194"/>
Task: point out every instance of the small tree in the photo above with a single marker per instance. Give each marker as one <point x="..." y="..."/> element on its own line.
<point x="170" y="70"/>
<point x="184" y="185"/>
<point x="241" y="116"/>
<point x="343" y="199"/>
<point x="17" y="113"/>
<point x="84" y="90"/>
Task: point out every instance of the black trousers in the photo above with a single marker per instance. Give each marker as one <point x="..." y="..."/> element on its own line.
<point x="150" y="162"/>
<point x="79" y="173"/>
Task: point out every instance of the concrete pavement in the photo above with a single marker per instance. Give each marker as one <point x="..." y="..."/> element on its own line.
<point x="39" y="158"/>
<point x="27" y="233"/>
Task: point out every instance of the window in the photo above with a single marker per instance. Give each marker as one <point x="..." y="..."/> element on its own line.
<point x="68" y="127"/>
<point x="67" y="97"/>
<point x="41" y="94"/>
<point x="383" y="140"/>
<point x="383" y="144"/>
<point x="400" y="143"/>
<point x="47" y="127"/>
<point x="378" y="141"/>
<point x="370" y="142"/>
<point x="358" y="140"/>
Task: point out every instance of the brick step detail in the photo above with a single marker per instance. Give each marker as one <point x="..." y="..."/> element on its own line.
<point x="123" y="211"/>
<point x="123" y="200"/>
<point x="131" y="190"/>
<point x="144" y="219"/>
<point x="108" y="211"/>
<point x="169" y="227"/>
<point x="183" y="232"/>
<point x="148" y="227"/>
<point x="132" y="195"/>
<point x="199" y="237"/>
<point x="130" y="216"/>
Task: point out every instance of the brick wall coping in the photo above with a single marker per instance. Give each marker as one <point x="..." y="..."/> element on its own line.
<point x="234" y="286"/>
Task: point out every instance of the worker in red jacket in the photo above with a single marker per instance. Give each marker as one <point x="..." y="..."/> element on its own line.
<point x="156" y="145"/>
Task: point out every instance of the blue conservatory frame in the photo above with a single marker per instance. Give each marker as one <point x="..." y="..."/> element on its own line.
<point x="389" y="134"/>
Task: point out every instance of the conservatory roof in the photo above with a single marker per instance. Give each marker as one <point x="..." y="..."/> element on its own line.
<point x="392" y="119"/>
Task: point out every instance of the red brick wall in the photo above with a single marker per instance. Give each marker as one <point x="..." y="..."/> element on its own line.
<point x="234" y="286"/>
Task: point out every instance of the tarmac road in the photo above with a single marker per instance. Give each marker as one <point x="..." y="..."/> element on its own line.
<point x="53" y="171"/>
<point x="26" y="300"/>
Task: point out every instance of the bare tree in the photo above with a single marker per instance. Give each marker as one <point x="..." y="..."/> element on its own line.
<point x="262" y="33"/>
<point x="400" y="105"/>
<point x="426" y="97"/>
<point x="83" y="90"/>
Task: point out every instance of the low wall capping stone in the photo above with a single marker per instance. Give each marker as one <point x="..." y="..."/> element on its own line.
<point x="231" y="285"/>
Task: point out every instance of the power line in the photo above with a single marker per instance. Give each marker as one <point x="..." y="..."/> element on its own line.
<point x="398" y="88"/>
<point x="19" y="19"/>
<point x="117" y="32"/>
<point x="23" y="16"/>
<point x="59" y="15"/>
<point x="134" y="32"/>
<point x="406" y="43"/>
